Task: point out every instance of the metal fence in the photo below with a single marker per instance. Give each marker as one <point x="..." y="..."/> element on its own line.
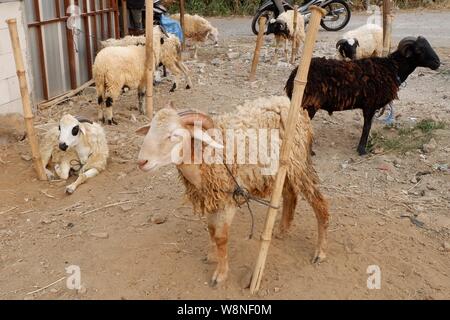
<point x="62" y="57"/>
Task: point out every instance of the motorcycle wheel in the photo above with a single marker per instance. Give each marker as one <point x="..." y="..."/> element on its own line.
<point x="268" y="13"/>
<point x="328" y="21"/>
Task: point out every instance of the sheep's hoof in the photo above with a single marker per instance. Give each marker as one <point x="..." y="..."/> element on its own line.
<point x="362" y="151"/>
<point x="173" y="87"/>
<point x="70" y="190"/>
<point x="319" y="257"/>
<point x="188" y="87"/>
<point x="112" y="121"/>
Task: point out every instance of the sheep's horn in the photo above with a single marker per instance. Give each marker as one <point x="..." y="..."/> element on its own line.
<point x="189" y="117"/>
<point x="342" y="41"/>
<point x="405" y="44"/>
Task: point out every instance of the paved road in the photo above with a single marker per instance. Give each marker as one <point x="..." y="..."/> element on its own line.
<point x="434" y="25"/>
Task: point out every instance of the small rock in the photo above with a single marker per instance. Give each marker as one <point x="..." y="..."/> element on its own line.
<point x="446" y="246"/>
<point x="276" y="289"/>
<point x="381" y="223"/>
<point x="233" y="55"/>
<point x="389" y="178"/>
<point x="430" y="146"/>
<point x="246" y="277"/>
<point x="53" y="290"/>
<point x="215" y="62"/>
<point x="158" y="218"/>
<point x="397" y="163"/>
<point x="413" y="179"/>
<point x="100" y="235"/>
<point x="189" y="231"/>
<point x="126" y="208"/>
<point x="133" y="118"/>
<point x="26" y="157"/>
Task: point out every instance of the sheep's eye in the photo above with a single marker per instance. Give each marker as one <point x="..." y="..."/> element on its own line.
<point x="75" y="130"/>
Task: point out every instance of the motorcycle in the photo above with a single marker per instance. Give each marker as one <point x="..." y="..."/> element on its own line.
<point x="337" y="16"/>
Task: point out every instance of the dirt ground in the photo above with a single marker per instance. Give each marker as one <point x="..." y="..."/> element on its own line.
<point x="381" y="214"/>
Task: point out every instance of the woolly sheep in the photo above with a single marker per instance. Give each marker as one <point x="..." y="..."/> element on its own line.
<point x="283" y="29"/>
<point x="209" y="187"/>
<point x="76" y="144"/>
<point x="363" y="42"/>
<point x="368" y="84"/>
<point x="198" y="29"/>
<point x="120" y="66"/>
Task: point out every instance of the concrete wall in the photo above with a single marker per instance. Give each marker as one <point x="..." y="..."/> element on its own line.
<point x="10" y="100"/>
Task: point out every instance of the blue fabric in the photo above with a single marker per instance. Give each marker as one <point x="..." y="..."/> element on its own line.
<point x="172" y="26"/>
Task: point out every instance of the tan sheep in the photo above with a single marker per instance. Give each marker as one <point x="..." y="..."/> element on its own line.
<point x="198" y="29"/>
<point x="210" y="187"/>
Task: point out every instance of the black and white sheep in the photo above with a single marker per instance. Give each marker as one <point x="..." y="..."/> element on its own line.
<point x="363" y="42"/>
<point x="368" y="84"/>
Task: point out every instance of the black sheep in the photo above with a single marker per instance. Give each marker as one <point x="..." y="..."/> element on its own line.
<point x="368" y="84"/>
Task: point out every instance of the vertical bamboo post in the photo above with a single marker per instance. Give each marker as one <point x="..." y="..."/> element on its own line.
<point x="299" y="88"/>
<point x="387" y="27"/>
<point x="259" y="41"/>
<point x="294" y="41"/>
<point x="26" y="102"/>
<point x="149" y="57"/>
<point x="183" y="43"/>
<point x="125" y="17"/>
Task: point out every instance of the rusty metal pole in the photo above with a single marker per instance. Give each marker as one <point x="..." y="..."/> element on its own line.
<point x="149" y="57"/>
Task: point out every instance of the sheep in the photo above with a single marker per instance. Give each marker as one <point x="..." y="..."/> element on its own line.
<point x="368" y="84"/>
<point x="119" y="67"/>
<point x="363" y="42"/>
<point x="198" y="29"/>
<point x="169" y="56"/>
<point x="283" y="29"/>
<point x="76" y="144"/>
<point x="209" y="186"/>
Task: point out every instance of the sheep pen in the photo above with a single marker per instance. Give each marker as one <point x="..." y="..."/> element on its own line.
<point x="134" y="237"/>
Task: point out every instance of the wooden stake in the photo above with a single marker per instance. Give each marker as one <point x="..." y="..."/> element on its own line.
<point x="149" y="57"/>
<point x="183" y="43"/>
<point x="387" y="27"/>
<point x="299" y="88"/>
<point x="294" y="42"/>
<point x="125" y="17"/>
<point x="26" y="102"/>
<point x="259" y="41"/>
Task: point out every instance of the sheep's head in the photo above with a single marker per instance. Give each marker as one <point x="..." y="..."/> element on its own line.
<point x="420" y="51"/>
<point x="69" y="132"/>
<point x="277" y="27"/>
<point x="167" y="134"/>
<point x="214" y="35"/>
<point x="347" y="48"/>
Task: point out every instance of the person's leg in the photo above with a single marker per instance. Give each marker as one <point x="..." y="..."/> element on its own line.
<point x="136" y="19"/>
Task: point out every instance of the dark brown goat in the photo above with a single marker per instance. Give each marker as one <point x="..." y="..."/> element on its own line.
<point x="368" y="84"/>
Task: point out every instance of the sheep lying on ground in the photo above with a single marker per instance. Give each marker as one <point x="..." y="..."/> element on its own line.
<point x="209" y="185"/>
<point x="283" y="29"/>
<point x="76" y="144"/>
<point x="118" y="67"/>
<point x="368" y="84"/>
<point x="198" y="29"/>
<point x="363" y="42"/>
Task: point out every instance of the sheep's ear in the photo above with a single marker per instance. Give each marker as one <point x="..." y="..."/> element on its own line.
<point x="142" y="131"/>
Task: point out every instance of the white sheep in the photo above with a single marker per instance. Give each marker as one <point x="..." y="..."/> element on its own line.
<point x="123" y="66"/>
<point x="209" y="185"/>
<point x="363" y="42"/>
<point x="123" y="42"/>
<point x="283" y="29"/>
<point x="198" y="29"/>
<point x="76" y="144"/>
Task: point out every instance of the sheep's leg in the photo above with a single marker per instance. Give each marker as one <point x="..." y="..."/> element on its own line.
<point x="109" y="111"/>
<point x="141" y="99"/>
<point x="81" y="179"/>
<point x="185" y="71"/>
<point x="101" y="113"/>
<point x="218" y="226"/>
<point x="315" y="198"/>
<point x="289" y="204"/>
<point x="277" y="44"/>
<point x="368" y="116"/>
<point x="195" y="51"/>
<point x="286" y="54"/>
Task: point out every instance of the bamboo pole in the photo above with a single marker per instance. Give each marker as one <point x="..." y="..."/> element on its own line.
<point x="149" y="57"/>
<point x="125" y="17"/>
<point x="26" y="102"/>
<point x="259" y="41"/>
<point x="294" y="41"/>
<point x="299" y="88"/>
<point x="183" y="43"/>
<point x="387" y="26"/>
